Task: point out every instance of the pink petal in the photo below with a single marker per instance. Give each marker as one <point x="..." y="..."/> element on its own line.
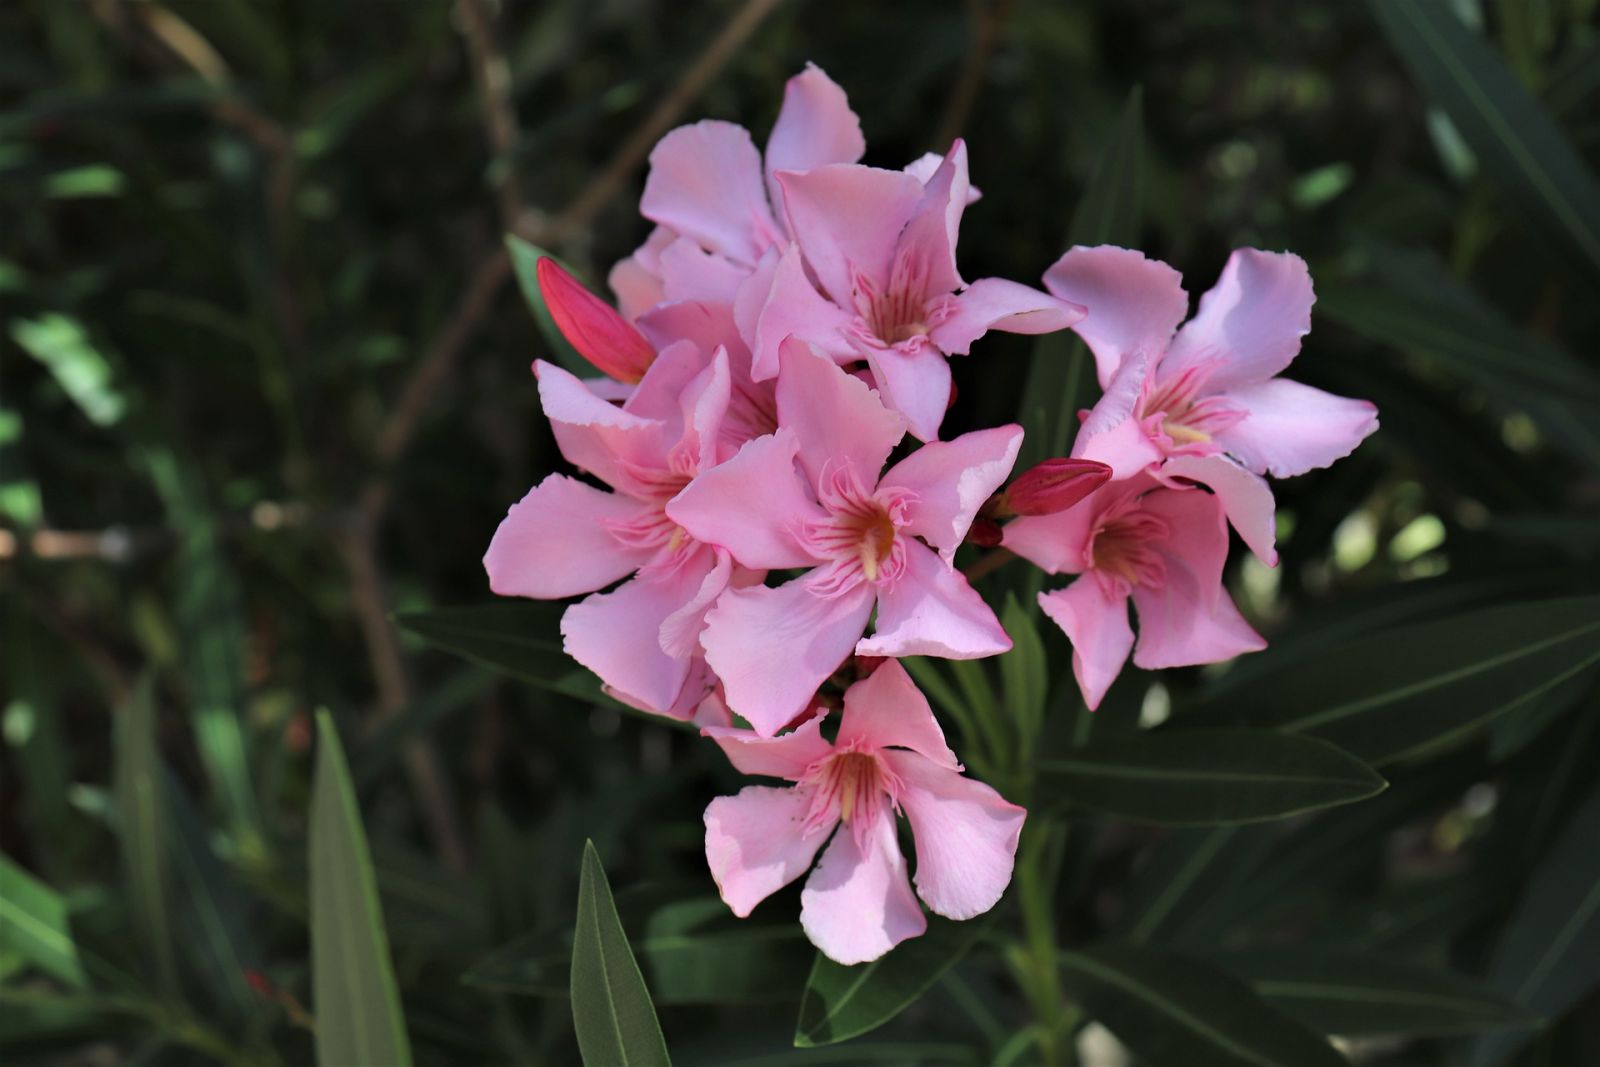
<point x="688" y="705"/>
<point x="815" y="126"/>
<point x="617" y="635"/>
<point x="756" y="844"/>
<point x="1246" y="498"/>
<point x="1112" y="434"/>
<point x="554" y="543"/>
<point x="705" y="183"/>
<point x="1134" y="304"/>
<point x="925" y="166"/>
<point x="594" y="434"/>
<point x="952" y="480"/>
<point x="1251" y="321"/>
<point x="772" y="647"/>
<point x="779" y="301"/>
<point x="659" y="396"/>
<point x="689" y="272"/>
<point x="1292" y="428"/>
<point x="848" y="218"/>
<point x="1190" y="618"/>
<point x="753" y="505"/>
<point x="1055" y="543"/>
<point x="966" y="836"/>
<point x="886" y="709"/>
<point x="785" y="756"/>
<point x="998" y="304"/>
<point x="680" y="631"/>
<point x="931" y="233"/>
<point x="932" y="611"/>
<point x="704" y="403"/>
<point x="1096" y="622"/>
<point x="915" y="383"/>
<point x="712" y="711"/>
<point x="706" y="323"/>
<point x="834" y="415"/>
<point x="636" y="281"/>
<point x="858" y="904"/>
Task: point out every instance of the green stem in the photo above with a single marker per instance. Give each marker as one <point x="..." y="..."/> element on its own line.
<point x="1034" y="960"/>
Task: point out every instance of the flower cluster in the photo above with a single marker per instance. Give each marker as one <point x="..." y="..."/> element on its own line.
<point x="769" y="429"/>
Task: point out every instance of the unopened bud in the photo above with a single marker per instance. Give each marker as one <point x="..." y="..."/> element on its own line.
<point x="1054" y="485"/>
<point x="985" y="533"/>
<point x="599" y="333"/>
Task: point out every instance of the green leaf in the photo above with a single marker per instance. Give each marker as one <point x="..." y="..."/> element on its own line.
<point x="843" y="1002"/>
<point x="525" y="259"/>
<point x="611" y="1009"/>
<point x="1171" y="1009"/>
<point x="1549" y="956"/>
<point x="1109" y="212"/>
<point x="34" y="924"/>
<point x="1416" y="689"/>
<point x="519" y="639"/>
<point x="1024" y="675"/>
<point x="142" y="830"/>
<point x="693" y="949"/>
<point x="352" y="982"/>
<point x="1208" y="777"/>
<point x="67" y="352"/>
<point x="211" y="617"/>
<point x="1364" y="996"/>
<point x="1518" y="146"/>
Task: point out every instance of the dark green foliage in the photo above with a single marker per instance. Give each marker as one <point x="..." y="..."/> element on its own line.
<point x="265" y="395"/>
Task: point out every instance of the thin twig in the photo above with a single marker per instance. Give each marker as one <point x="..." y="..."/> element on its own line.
<point x="987" y="17"/>
<point x="492" y="74"/>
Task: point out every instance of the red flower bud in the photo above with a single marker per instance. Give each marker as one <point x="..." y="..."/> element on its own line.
<point x="595" y="329"/>
<point x="985" y="532"/>
<point x="1055" y="485"/>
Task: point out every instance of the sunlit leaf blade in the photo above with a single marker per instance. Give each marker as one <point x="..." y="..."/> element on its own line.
<point x="1517" y="144"/>
<point x="1109" y="212"/>
<point x="1549" y="956"/>
<point x="34" y="924"/>
<point x="1207" y="777"/>
<point x="1171" y="1009"/>
<point x="525" y="259"/>
<point x="611" y="1010"/>
<point x="843" y="1002"/>
<point x="1361" y="995"/>
<point x="357" y="1002"/>
<point x="519" y="639"/>
<point x="1420" y="688"/>
<point x="143" y="832"/>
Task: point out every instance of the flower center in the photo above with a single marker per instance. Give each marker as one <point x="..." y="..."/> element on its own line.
<point x="854" y="779"/>
<point x="861" y="534"/>
<point x="1187" y="418"/>
<point x="1123" y="549"/>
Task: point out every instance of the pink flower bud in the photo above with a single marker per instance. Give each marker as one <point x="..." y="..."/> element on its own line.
<point x="595" y="329"/>
<point x="1055" y="485"/>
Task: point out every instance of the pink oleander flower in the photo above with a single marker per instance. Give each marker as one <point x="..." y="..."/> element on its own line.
<point x="1161" y="547"/>
<point x="567" y="538"/>
<point x="856" y="533"/>
<point x="715" y="200"/>
<point x="889" y="756"/>
<point x="1205" y="401"/>
<point x="880" y="245"/>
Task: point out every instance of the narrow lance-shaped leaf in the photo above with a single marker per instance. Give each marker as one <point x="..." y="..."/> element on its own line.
<point x="1549" y="956"/>
<point x="1517" y="144"/>
<point x="1416" y="689"/>
<point x="352" y="980"/>
<point x="33" y="924"/>
<point x="1171" y="1009"/>
<point x="843" y="1002"/>
<point x="611" y="1010"/>
<point x="142" y="830"/>
<point x="1367" y="996"/>
<point x="1208" y="777"/>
